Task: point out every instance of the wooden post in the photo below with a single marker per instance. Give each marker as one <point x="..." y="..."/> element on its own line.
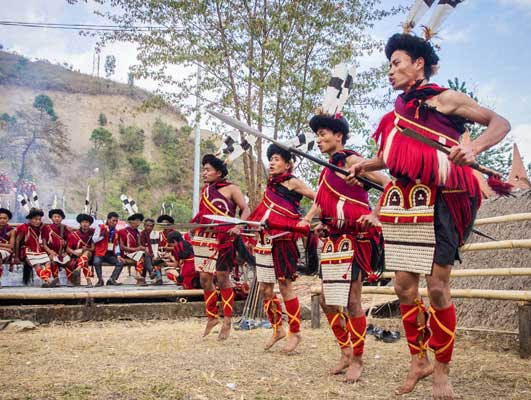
<point x="524" y="329"/>
<point x="316" y="311"/>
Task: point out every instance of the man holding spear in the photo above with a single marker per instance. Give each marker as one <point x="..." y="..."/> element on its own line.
<point x="215" y="248"/>
<point x="427" y="211"/>
<point x="276" y="250"/>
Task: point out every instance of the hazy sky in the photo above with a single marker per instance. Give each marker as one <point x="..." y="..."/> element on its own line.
<point x="485" y="43"/>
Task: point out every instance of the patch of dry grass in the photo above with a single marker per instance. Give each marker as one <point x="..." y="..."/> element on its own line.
<point x="169" y="360"/>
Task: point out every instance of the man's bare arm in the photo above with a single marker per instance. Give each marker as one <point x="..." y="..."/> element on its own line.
<point x="366" y="168"/>
<point x="451" y="102"/>
<point x="239" y="200"/>
<point x="300" y="187"/>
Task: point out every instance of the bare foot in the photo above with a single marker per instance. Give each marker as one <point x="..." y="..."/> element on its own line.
<point x="293" y="341"/>
<point x="354" y="370"/>
<point x="277" y="335"/>
<point x="343" y="363"/>
<point x="419" y="368"/>
<point x="442" y="389"/>
<point x="212" y="322"/>
<point x="224" y="332"/>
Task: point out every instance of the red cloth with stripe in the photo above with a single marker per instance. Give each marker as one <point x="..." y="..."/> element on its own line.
<point x="442" y="325"/>
<point x="273" y="308"/>
<point x="338" y="326"/>
<point x="293" y="310"/>
<point x="414" y="320"/>
<point x="357" y="328"/>
<point x="227" y="300"/>
<point x="211" y="303"/>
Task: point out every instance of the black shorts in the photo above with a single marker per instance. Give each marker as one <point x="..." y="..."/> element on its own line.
<point x="446" y="236"/>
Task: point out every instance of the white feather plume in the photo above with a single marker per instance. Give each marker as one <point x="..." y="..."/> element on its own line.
<point x="333" y="91"/>
<point x="416" y="12"/>
<point x="346" y="88"/>
<point x="127" y="205"/>
<point x="23" y="202"/>
<point x="443" y="9"/>
<point x="35" y="200"/>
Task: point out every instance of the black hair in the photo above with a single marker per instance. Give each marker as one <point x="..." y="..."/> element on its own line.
<point x="6" y="212"/>
<point x="415" y="47"/>
<point x="275" y="149"/>
<point x="112" y="214"/>
<point x="149" y="220"/>
<point x="175" y="236"/>
<point x="216" y="163"/>
<point x="165" y="217"/>
<point x="57" y="211"/>
<point x="336" y="123"/>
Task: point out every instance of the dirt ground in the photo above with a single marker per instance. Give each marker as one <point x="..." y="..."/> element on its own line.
<point x="170" y="360"/>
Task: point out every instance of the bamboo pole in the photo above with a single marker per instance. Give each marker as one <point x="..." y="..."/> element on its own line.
<point x="487" y="294"/>
<point x="106" y="294"/>
<point x="503" y="218"/>
<point x="500" y="245"/>
<point x="467" y="273"/>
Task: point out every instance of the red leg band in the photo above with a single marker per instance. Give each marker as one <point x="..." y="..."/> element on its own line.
<point x="43" y="273"/>
<point x="337" y="324"/>
<point x="357" y="327"/>
<point x="293" y="310"/>
<point x="414" y="319"/>
<point x="139" y="267"/>
<point x="273" y="308"/>
<point x="211" y="303"/>
<point x="227" y="300"/>
<point x="82" y="263"/>
<point x="172" y="277"/>
<point x="442" y="325"/>
<point x="54" y="268"/>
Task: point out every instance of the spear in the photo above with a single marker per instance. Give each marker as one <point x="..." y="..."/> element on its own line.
<point x="255" y="132"/>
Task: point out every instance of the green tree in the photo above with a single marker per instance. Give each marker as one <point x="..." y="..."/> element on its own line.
<point x="102" y="119"/>
<point x="163" y="134"/>
<point x="101" y="137"/>
<point x="44" y="104"/>
<point x="267" y="62"/>
<point x="34" y="143"/>
<point x="132" y="139"/>
<point x="498" y="157"/>
<point x="140" y="168"/>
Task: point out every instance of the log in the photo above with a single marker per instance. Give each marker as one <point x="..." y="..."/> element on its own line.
<point x="503" y="218"/>
<point x="500" y="245"/>
<point x="524" y="329"/>
<point x="467" y="273"/>
<point x="51" y="294"/>
<point x="488" y="294"/>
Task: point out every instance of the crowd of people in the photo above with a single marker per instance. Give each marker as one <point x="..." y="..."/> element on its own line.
<point x="47" y="248"/>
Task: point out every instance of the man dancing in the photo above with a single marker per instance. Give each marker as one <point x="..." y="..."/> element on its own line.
<point x="433" y="197"/>
<point x="215" y="250"/>
<point x="276" y="259"/>
<point x="351" y="253"/>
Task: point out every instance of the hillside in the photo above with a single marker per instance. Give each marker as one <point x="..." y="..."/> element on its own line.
<point x="78" y="100"/>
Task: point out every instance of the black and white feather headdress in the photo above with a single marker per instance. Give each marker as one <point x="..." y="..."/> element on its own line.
<point x="441" y="12"/>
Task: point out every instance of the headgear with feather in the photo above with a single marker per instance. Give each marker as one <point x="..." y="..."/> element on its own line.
<point x="329" y="114"/>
